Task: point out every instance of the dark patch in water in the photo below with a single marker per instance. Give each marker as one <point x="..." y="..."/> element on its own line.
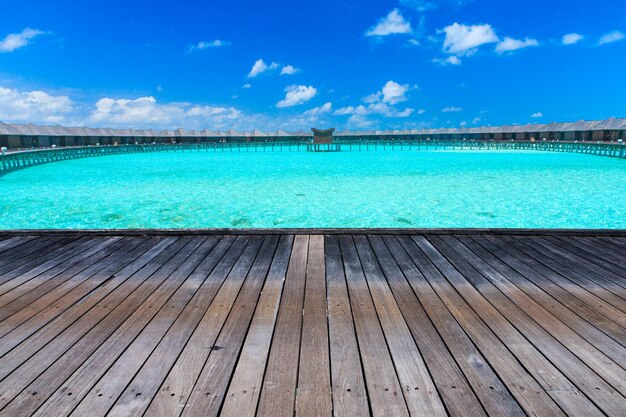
<point x="240" y="222"/>
<point x="403" y="220"/>
<point x="300" y="195"/>
<point x="113" y="216"/>
<point x="486" y="214"/>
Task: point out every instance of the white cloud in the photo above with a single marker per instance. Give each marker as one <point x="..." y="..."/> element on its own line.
<point x="392" y="93"/>
<point x="323" y="109"/>
<point x="476" y="120"/>
<point x="15" y="41"/>
<point x="246" y="86"/>
<point x="217" y="43"/>
<point x="451" y="60"/>
<point x="509" y="44"/>
<point x="33" y="106"/>
<point x="536" y="115"/>
<point x="572" y="38"/>
<point x="611" y="37"/>
<point x="297" y="94"/>
<point x="379" y="103"/>
<point x="451" y="109"/>
<point x="147" y="112"/>
<point x="421" y="111"/>
<point x="260" y="67"/>
<point x="392" y="24"/>
<point x="289" y="70"/>
<point x="464" y="40"/>
<point x="463" y="123"/>
<point x="413" y="42"/>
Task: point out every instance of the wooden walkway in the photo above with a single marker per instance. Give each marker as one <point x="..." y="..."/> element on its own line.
<point x="311" y="325"/>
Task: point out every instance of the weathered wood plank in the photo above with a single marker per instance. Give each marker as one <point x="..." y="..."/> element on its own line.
<point x="582" y="362"/>
<point x="278" y="393"/>
<point x="485" y="297"/>
<point x="537" y="388"/>
<point x="383" y="388"/>
<point x="592" y="272"/>
<point x="39" y="286"/>
<point x="122" y="249"/>
<point x="490" y="389"/>
<point x="349" y="393"/>
<point x="208" y="394"/>
<point x="173" y="394"/>
<point x="8" y="243"/>
<point x="145" y="384"/>
<point x="242" y="397"/>
<point x="534" y="284"/>
<point x="454" y="389"/>
<point x="119" y="357"/>
<point x="420" y="393"/>
<point x="55" y="318"/>
<point x="556" y="273"/>
<point x="59" y="359"/>
<point x="314" y="392"/>
<point x="571" y="273"/>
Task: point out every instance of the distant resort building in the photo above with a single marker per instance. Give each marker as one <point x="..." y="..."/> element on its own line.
<point x="16" y="136"/>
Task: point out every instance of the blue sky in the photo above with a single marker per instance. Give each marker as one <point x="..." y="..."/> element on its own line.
<point x="292" y="65"/>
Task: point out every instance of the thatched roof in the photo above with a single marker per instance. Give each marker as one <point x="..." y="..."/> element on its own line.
<point x="48" y="130"/>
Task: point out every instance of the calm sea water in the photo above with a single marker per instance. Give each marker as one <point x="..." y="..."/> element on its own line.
<point x="299" y="189"/>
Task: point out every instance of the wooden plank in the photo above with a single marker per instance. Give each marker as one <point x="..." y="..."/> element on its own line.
<point x="537" y="389"/>
<point x="602" y="277"/>
<point x="243" y="393"/>
<point x="518" y="306"/>
<point x="53" y="319"/>
<point x="595" y="257"/>
<point x="617" y="244"/>
<point x="490" y="389"/>
<point x="570" y="272"/>
<point x="25" y="252"/>
<point x="173" y="394"/>
<point x="348" y="386"/>
<point x="420" y="393"/>
<point x="99" y="380"/>
<point x="314" y="392"/>
<point x="35" y="268"/>
<point x="39" y="286"/>
<point x="595" y="247"/>
<point x="14" y="241"/>
<point x="452" y="385"/>
<point x="537" y="284"/>
<point x="208" y="393"/>
<point x="16" y="262"/>
<point x="119" y="250"/>
<point x="278" y="392"/>
<point x="485" y="297"/>
<point x="25" y="363"/>
<point x="384" y="391"/>
<point x="556" y="273"/>
<point x="139" y="392"/>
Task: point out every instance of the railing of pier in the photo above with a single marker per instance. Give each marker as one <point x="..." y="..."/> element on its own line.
<point x="23" y="159"/>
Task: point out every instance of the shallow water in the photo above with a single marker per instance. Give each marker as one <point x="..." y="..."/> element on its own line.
<point x="299" y="189"/>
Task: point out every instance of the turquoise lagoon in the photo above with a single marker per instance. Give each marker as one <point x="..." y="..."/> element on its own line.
<point x="390" y="189"/>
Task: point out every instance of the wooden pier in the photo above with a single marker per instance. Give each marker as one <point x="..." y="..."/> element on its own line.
<point x="297" y="323"/>
<point x="22" y="159"/>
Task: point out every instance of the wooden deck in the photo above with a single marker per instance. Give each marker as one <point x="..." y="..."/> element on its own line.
<point x="277" y="325"/>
